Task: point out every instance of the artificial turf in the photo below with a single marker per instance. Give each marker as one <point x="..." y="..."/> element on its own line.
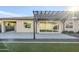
<point x="42" y="47"/>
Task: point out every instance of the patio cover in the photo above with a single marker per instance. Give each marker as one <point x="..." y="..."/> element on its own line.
<point x="54" y="15"/>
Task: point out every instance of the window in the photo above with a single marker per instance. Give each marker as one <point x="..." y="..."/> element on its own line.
<point x="27" y="25"/>
<point x="69" y="25"/>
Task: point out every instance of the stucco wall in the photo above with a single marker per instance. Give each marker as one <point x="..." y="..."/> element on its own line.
<point x="75" y="25"/>
<point x="20" y="26"/>
<point x="67" y="22"/>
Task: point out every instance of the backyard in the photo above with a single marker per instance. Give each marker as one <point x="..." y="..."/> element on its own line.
<point x="38" y="47"/>
<point x="9" y="44"/>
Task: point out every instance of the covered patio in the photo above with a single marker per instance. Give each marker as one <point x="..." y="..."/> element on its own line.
<point x="49" y="22"/>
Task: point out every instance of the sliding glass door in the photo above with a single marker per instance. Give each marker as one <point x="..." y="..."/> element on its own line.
<point x="46" y="26"/>
<point x="9" y="25"/>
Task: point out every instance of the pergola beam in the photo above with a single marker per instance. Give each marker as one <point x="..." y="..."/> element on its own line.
<point x="51" y="15"/>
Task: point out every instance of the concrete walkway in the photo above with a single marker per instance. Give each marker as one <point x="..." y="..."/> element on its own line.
<point x="14" y="35"/>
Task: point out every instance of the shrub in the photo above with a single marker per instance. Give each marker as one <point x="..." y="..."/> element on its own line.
<point x="67" y="32"/>
<point x="70" y="31"/>
<point x="45" y="30"/>
<point x="78" y="32"/>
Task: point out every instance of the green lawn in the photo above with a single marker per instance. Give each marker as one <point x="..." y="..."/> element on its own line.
<point x="40" y="47"/>
<point x="3" y="48"/>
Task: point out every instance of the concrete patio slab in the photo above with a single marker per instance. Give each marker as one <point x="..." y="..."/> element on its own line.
<point x="14" y="35"/>
<point x="54" y="36"/>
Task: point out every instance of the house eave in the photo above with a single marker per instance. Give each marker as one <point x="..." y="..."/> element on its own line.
<point x="17" y="18"/>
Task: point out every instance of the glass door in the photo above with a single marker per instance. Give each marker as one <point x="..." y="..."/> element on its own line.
<point x="46" y="26"/>
<point x="9" y="25"/>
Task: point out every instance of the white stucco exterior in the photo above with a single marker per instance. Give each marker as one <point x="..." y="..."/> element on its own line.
<point x="19" y="27"/>
<point x="75" y="25"/>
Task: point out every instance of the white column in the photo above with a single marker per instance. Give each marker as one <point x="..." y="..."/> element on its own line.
<point x="38" y="29"/>
<point x="2" y="27"/>
<point x="61" y="25"/>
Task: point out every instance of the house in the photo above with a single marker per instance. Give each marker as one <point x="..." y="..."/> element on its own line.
<point x="42" y="22"/>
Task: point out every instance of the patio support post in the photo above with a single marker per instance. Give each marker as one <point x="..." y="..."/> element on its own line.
<point x="63" y="25"/>
<point x="63" y="21"/>
<point x="34" y="28"/>
<point x="2" y="27"/>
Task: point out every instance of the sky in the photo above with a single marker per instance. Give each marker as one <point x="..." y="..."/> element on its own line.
<point x="27" y="10"/>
